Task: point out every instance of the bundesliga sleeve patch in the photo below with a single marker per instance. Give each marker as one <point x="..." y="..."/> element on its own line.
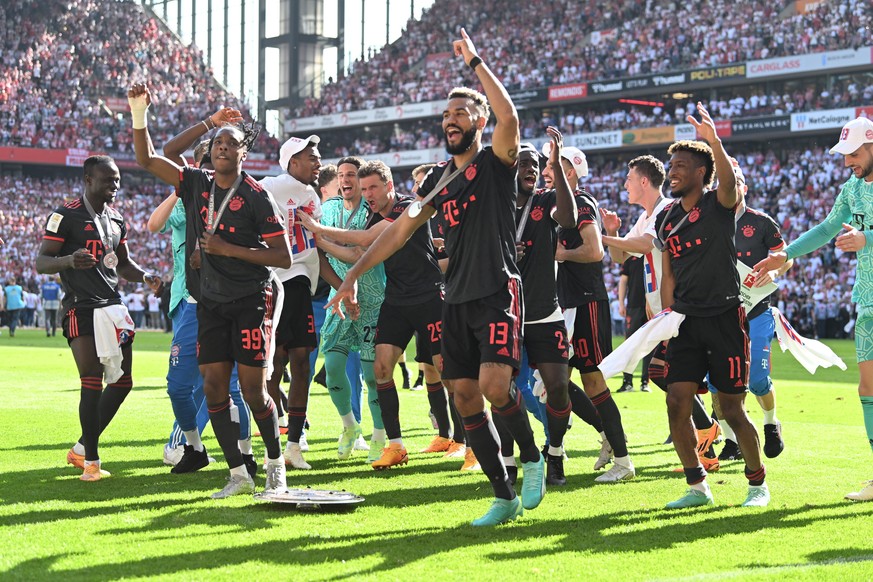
<point x="54" y="222"/>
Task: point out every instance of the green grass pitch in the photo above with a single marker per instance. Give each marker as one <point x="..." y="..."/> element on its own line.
<point x="144" y="522"/>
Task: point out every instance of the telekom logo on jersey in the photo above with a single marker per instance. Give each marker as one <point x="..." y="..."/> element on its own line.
<point x="452" y="213"/>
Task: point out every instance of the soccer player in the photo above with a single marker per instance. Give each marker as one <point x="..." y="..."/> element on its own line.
<point x="413" y="300"/>
<point x="234" y="309"/>
<point x="538" y="216"/>
<point x="86" y="242"/>
<point x="757" y="235"/>
<point x="50" y="291"/>
<point x="339" y="336"/>
<point x="582" y="295"/>
<point x="475" y="194"/>
<point x="700" y="281"/>
<point x="184" y="382"/>
<point x="852" y="214"/>
<point x="295" y="333"/>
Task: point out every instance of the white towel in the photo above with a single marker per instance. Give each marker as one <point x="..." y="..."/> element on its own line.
<point x="112" y="327"/>
<point x="809" y="352"/>
<point x="624" y="358"/>
<point x="570" y="324"/>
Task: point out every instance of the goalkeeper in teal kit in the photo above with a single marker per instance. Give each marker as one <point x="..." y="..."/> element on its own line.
<point x="853" y="214"/>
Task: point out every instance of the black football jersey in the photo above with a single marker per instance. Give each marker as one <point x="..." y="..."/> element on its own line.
<point x="250" y="218"/>
<point x="537" y="266"/>
<point x="413" y="273"/>
<point x="477" y="211"/>
<point x="703" y="256"/>
<point x="636" y="289"/>
<point x="72" y="225"/>
<point x="580" y="283"/>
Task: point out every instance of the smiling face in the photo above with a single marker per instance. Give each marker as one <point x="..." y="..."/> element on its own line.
<point x="228" y="152"/>
<point x="861" y="162"/>
<point x="304" y="166"/>
<point x="461" y="123"/>
<point x="349" y="185"/>
<point x="685" y="174"/>
<point x="101" y="185"/>
<point x="528" y="172"/>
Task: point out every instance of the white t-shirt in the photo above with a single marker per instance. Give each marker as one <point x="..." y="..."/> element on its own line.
<point x="135" y="301"/>
<point x="651" y="260"/>
<point x="154" y="303"/>
<point x="293" y="196"/>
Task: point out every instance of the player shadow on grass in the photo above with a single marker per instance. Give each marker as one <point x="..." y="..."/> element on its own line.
<point x="64" y="446"/>
<point x="606" y="533"/>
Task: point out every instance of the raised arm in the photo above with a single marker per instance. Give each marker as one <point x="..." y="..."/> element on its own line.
<point x="160" y="167"/>
<point x="565" y="203"/>
<point x="728" y="194"/>
<point x="361" y="238"/>
<point x="179" y="144"/>
<point x="505" y="140"/>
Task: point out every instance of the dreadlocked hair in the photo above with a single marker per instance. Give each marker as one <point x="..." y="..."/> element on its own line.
<point x="250" y="134"/>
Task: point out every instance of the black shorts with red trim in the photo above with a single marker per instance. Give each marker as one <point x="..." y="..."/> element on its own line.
<point x="398" y="323"/>
<point x="237" y="331"/>
<point x="546" y="343"/>
<point x="483" y="330"/>
<point x="592" y="336"/>
<point x="717" y="345"/>
<point x="79" y="322"/>
<point x="296" y="326"/>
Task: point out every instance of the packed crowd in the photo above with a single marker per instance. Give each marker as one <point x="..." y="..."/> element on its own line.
<point x="65" y="64"/>
<point x="565" y="42"/>
<point x="797" y="187"/>
<point x="730" y="103"/>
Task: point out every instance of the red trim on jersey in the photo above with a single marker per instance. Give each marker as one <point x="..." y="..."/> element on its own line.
<point x="254" y="184"/>
<point x="74" y="324"/>
<point x="272" y="234"/>
<point x="778" y="247"/>
<point x="595" y="327"/>
<point x="47" y="237"/>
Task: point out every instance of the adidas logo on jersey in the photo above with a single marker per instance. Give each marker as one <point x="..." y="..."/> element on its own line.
<point x="503" y="352"/>
<point x="88" y="227"/>
<point x="259" y="357"/>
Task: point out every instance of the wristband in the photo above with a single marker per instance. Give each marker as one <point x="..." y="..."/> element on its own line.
<point x="138" y="111"/>
<point x="475" y="62"/>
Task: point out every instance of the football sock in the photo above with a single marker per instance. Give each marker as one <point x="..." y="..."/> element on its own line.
<point x="584" y="408"/>
<point x="507" y="445"/>
<point x="515" y="417"/>
<point x="111" y="399"/>
<point x="701" y="418"/>
<point x="193" y="438"/>
<point x="867" y="407"/>
<point x="89" y="415"/>
<point x="226" y="432"/>
<point x="268" y="425"/>
<point x="348" y="420"/>
<point x="728" y="432"/>
<point x="459" y="434"/>
<point x="389" y="404"/>
<point x="611" y="418"/>
<point x="695" y="475"/>
<point x="628" y="379"/>
<point x="420" y="378"/>
<point x="405" y="373"/>
<point x="557" y="421"/>
<point x="439" y="406"/>
<point x="338" y="385"/>
<point x="756" y="478"/>
<point x="296" y="418"/>
<point x="245" y="446"/>
<point x="483" y="438"/>
<point x="372" y="393"/>
<point x="770" y="416"/>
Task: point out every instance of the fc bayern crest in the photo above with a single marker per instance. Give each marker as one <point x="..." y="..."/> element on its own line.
<point x="235" y="204"/>
<point x="694" y="214"/>
<point x="470" y="173"/>
<point x="748" y="231"/>
<point x="536" y="214"/>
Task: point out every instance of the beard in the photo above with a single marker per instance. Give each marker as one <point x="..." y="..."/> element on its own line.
<point x="466" y="142"/>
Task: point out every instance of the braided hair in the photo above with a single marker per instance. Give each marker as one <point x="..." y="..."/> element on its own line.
<point x="250" y="134"/>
